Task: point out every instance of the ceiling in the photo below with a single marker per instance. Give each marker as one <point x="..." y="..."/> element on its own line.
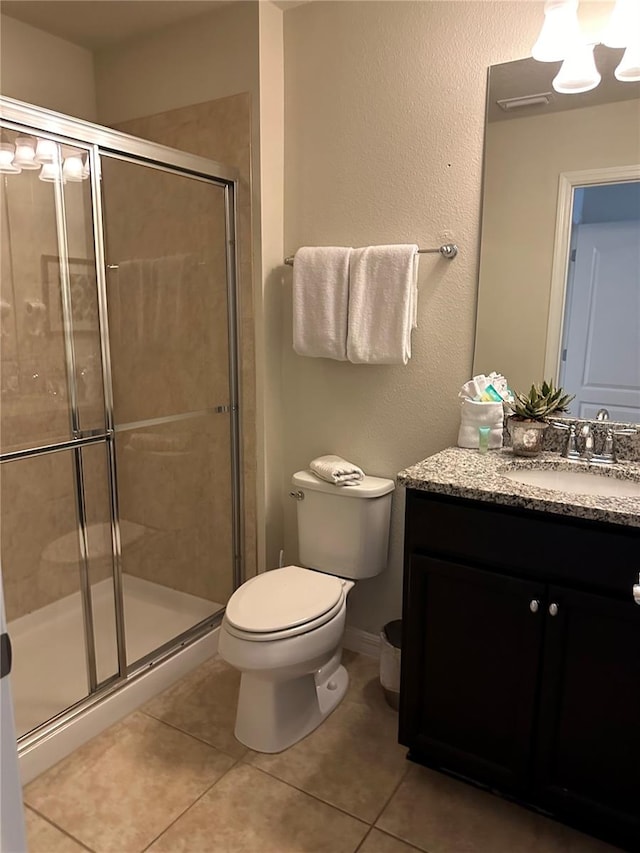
<point x="96" y="24"/>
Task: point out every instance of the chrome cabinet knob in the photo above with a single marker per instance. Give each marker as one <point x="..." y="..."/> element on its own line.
<point x="636" y="591"/>
<point x="534" y="605"/>
<point x="553" y="609"/>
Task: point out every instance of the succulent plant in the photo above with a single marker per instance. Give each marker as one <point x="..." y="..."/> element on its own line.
<point x="541" y="402"/>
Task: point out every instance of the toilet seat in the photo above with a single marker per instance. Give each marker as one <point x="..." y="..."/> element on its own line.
<point x="283" y="603"/>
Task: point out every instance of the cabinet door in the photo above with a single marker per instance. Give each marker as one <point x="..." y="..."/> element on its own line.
<point x="588" y="762"/>
<point x="470" y="661"/>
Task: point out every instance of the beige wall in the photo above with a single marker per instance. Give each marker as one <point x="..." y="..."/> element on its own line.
<point x="525" y="159"/>
<point x="269" y="247"/>
<point x="384" y="136"/>
<point x="42" y="69"/>
<point x="201" y="59"/>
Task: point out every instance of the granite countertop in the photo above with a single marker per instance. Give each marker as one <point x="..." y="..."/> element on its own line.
<point x="467" y="473"/>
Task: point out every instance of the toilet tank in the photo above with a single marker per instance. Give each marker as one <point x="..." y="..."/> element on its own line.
<point x="343" y="530"/>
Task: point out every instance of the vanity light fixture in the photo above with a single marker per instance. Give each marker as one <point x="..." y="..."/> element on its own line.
<point x="578" y="73"/>
<point x="560" y="39"/>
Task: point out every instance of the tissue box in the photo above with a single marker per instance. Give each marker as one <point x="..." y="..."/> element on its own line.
<point x="474" y="415"/>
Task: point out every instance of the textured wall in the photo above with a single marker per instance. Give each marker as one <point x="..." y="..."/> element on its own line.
<point x="384" y="106"/>
<point x="43" y="69"/>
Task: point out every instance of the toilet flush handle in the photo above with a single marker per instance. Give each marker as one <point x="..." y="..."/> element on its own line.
<point x="298" y="495"/>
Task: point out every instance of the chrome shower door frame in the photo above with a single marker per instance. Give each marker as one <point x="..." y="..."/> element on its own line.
<point x="97" y="140"/>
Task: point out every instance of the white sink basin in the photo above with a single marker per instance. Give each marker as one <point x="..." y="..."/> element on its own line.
<point x="576" y="482"/>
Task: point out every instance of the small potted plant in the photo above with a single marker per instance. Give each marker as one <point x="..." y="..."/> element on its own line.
<point x="531" y="416"/>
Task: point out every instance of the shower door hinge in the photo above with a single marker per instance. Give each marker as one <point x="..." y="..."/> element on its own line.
<point x="573" y="254"/>
<point x="220" y="410"/>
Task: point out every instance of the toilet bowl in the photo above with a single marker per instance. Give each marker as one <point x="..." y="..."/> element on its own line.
<point x="288" y="654"/>
<point x="283" y="629"/>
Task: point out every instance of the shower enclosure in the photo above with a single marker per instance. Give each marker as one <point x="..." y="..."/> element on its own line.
<point x="119" y="513"/>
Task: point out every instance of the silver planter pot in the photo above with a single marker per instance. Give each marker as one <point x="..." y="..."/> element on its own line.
<point x="526" y="436"/>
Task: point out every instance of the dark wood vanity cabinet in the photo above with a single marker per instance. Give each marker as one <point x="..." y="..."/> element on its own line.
<point x="521" y="657"/>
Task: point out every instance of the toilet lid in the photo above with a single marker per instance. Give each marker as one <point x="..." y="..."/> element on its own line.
<point x="283" y="598"/>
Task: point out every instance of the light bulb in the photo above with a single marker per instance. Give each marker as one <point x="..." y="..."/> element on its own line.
<point x="7" y="153"/>
<point x="578" y="73"/>
<point x="50" y="172"/>
<point x="47" y="151"/>
<point x="26" y="153"/>
<point x="560" y="32"/>
<point x="72" y="167"/>
<point x="628" y="71"/>
<point x="623" y="25"/>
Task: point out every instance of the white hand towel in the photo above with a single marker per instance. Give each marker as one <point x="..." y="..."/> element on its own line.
<point x="335" y="469"/>
<point x="383" y="299"/>
<point x="320" y="301"/>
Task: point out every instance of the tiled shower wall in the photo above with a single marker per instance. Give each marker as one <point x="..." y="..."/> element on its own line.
<point x="219" y="130"/>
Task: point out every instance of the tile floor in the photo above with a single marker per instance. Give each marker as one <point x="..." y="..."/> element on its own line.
<point x="171" y="778"/>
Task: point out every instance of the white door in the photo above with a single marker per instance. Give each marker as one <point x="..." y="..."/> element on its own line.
<point x="12" y="834"/>
<point x="601" y="339"/>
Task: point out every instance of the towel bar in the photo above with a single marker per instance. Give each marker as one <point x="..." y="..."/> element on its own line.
<point x="448" y="251"/>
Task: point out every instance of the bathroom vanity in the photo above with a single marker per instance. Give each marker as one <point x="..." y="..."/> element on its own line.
<point x="521" y="638"/>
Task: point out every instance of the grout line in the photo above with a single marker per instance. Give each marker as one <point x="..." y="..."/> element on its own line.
<point x="313" y="796"/>
<point x="191" y="805"/>
<point x="392" y="794"/>
<point x="190" y="734"/>
<point x="59" y="828"/>
<point x="366" y="835"/>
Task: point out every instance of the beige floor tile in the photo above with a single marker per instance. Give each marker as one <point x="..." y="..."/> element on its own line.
<point x="353" y="760"/>
<point x="42" y="837"/>
<point x="123" y="788"/>
<point x="250" y="812"/>
<point x="203" y="704"/>
<point x="380" y="842"/>
<point x="441" y="815"/>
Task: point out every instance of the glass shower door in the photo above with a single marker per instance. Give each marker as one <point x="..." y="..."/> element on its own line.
<point x="55" y="510"/>
<point x="169" y="345"/>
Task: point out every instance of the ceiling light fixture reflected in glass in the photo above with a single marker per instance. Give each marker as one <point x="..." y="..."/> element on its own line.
<point x="50" y="172"/>
<point x="72" y="168"/>
<point x="578" y="73"/>
<point x="26" y="153"/>
<point x="47" y="151"/>
<point x="7" y="153"/>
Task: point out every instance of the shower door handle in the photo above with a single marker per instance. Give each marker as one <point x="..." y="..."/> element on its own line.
<point x="5" y="655"/>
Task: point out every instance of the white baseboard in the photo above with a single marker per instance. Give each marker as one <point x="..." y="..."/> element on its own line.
<point x="362" y="642"/>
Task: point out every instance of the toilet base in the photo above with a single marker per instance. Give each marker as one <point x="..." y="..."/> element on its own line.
<point x="273" y="715"/>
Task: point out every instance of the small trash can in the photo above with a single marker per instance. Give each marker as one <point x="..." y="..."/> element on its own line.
<point x="390" y="646"/>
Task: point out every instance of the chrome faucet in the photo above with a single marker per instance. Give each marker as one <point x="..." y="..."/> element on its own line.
<point x="587" y="447"/>
<point x="608" y="454"/>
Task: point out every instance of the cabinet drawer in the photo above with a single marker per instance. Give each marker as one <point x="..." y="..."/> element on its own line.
<point x="540" y="546"/>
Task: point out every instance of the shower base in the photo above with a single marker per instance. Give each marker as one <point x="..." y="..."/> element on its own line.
<point x="49" y="667"/>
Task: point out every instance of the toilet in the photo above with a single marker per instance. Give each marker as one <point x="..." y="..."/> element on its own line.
<point x="283" y="629"/>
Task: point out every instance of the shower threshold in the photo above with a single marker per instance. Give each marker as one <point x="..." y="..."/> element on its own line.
<point x="48" y="672"/>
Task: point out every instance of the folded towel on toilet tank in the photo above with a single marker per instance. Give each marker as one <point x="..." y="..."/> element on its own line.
<point x="335" y="469"/>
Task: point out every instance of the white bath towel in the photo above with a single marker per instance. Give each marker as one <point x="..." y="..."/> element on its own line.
<point x="320" y="301"/>
<point x="383" y="299"/>
<point x="335" y="469"/>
